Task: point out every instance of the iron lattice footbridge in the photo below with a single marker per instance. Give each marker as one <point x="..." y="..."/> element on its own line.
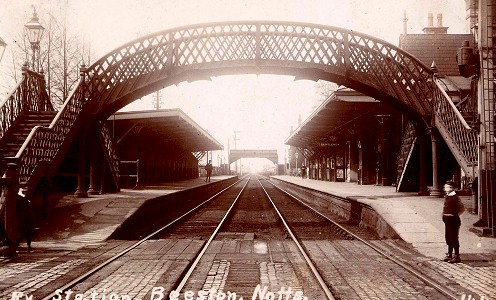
<point x="307" y="51"/>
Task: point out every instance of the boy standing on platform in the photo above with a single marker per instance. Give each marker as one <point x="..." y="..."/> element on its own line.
<point x="452" y="209"/>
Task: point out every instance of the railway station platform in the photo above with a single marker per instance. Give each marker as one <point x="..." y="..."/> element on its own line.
<point x="416" y="219"/>
<point x="79" y="226"/>
<point x="78" y="222"/>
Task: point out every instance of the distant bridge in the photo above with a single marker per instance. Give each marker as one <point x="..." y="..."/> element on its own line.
<point x="271" y="155"/>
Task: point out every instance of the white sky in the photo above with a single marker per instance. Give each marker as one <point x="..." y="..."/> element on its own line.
<point x="262" y="108"/>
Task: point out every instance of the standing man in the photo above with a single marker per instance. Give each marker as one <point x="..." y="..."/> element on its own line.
<point x="3" y="233"/>
<point x="25" y="221"/>
<point x="209" y="169"/>
<point x="452" y="209"/>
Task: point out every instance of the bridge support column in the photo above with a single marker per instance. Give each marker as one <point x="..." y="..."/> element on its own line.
<point x="102" y="180"/>
<point x="383" y="151"/>
<point x="95" y="165"/>
<point x="436" y="190"/>
<point x="360" y="164"/>
<point x="422" y="165"/>
<point x="81" y="188"/>
<point x="96" y="160"/>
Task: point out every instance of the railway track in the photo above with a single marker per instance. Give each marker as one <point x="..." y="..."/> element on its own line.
<point x="254" y="240"/>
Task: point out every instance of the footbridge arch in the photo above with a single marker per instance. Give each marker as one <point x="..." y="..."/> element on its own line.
<point x="307" y="51"/>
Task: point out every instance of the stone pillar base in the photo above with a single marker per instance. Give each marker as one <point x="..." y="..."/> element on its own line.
<point x="423" y="193"/>
<point x="436" y="193"/>
<point x="93" y="191"/>
<point x="80" y="194"/>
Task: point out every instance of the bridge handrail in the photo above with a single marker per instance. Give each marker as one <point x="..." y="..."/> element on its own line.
<point x="9" y="104"/>
<point x="11" y="94"/>
<point x="23" y="98"/>
<point x="254" y="23"/>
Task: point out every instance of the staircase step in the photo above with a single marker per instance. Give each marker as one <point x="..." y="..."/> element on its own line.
<point x="16" y="139"/>
<point x="22" y="131"/>
<point x="17" y="135"/>
<point x="10" y="147"/>
<point x="10" y="144"/>
<point x="35" y="122"/>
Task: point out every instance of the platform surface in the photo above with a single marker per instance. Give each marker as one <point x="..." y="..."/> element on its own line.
<point x="78" y="222"/>
<point x="416" y="219"/>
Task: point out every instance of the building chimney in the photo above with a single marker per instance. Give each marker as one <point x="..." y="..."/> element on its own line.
<point x="471" y="7"/>
<point x="439" y="29"/>
<point x="430" y="20"/>
<point x="439" y="20"/>
<point x="405" y="23"/>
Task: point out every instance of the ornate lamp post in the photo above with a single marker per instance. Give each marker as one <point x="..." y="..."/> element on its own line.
<point x="34" y="31"/>
<point x="3" y="45"/>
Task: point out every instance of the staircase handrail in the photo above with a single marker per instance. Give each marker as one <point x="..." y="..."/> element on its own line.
<point x="407" y="141"/>
<point x="447" y="98"/>
<point x="110" y="152"/>
<point x="7" y="119"/>
<point x="460" y="137"/>
<point x="43" y="143"/>
<point x="28" y="95"/>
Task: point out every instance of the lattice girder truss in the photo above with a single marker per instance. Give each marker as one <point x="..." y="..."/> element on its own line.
<point x="305" y="50"/>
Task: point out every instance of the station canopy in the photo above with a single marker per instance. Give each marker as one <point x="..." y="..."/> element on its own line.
<point x="167" y="124"/>
<point x="345" y="108"/>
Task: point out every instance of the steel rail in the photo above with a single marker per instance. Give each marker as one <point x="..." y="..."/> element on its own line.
<point x="308" y="261"/>
<point x="97" y="268"/>
<point x="389" y="256"/>
<point x="186" y="277"/>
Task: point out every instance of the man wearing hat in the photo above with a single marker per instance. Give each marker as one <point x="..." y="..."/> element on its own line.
<point x="452" y="209"/>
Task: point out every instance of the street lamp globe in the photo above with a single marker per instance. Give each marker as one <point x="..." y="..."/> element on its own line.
<point x="3" y="45"/>
<point x="34" y="31"/>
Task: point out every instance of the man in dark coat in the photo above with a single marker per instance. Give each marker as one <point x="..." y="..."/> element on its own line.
<point x="25" y="220"/>
<point x="209" y="169"/>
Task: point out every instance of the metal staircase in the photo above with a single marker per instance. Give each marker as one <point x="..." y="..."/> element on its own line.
<point x="36" y="137"/>
<point x="406" y="149"/>
<point x="25" y="107"/>
<point x="456" y="125"/>
<point x="460" y="137"/>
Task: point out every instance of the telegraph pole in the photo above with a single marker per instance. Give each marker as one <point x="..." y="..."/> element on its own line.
<point x="236" y="139"/>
